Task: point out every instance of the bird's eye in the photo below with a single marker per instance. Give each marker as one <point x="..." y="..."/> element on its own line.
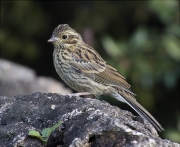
<point x="64" y="36"/>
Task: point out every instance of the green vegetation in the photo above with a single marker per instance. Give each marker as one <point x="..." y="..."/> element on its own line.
<point x="45" y="133"/>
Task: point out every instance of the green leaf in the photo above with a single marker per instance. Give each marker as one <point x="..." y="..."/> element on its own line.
<point x="172" y="46"/>
<point x="47" y="131"/>
<point x="112" y="47"/>
<point x="36" y="134"/>
<point x="56" y="125"/>
<point x="140" y="38"/>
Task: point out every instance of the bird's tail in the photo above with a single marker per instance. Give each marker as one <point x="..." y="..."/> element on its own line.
<point x="131" y="101"/>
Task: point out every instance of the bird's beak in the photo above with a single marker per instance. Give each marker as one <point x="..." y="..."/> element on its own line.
<point x="52" y="39"/>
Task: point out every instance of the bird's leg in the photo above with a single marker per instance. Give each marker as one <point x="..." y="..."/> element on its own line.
<point x="81" y="94"/>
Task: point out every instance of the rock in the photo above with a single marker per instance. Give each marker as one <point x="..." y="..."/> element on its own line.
<point x="19" y="80"/>
<point x="85" y="123"/>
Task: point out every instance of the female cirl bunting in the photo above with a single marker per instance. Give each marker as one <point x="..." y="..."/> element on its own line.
<point x="83" y="69"/>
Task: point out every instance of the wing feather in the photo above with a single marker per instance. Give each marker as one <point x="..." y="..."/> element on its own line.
<point x="90" y="63"/>
<point x="113" y="78"/>
<point x="87" y="60"/>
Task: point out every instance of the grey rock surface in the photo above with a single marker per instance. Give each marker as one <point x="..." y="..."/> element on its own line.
<point x="19" y="80"/>
<point x="85" y="123"/>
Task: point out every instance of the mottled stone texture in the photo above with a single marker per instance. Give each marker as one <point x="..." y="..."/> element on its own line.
<point x="86" y="123"/>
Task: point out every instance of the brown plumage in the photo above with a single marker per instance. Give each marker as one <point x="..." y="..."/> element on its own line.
<point x="83" y="69"/>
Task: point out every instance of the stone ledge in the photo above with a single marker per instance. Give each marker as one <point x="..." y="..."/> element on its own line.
<point x="86" y="123"/>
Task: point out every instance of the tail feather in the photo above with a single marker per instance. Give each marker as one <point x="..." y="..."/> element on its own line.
<point x="139" y="109"/>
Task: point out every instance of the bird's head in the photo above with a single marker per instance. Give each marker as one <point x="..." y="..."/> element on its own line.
<point x="65" y="36"/>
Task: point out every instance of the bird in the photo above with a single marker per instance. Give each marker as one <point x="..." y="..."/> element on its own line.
<point x="81" y="67"/>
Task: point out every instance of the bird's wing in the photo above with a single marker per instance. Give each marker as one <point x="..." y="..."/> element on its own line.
<point x="112" y="77"/>
<point x="87" y="60"/>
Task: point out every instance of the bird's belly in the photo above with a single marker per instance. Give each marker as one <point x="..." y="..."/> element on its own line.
<point x="78" y="81"/>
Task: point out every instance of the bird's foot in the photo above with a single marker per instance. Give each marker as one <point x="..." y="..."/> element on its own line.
<point x="90" y="95"/>
<point x="81" y="94"/>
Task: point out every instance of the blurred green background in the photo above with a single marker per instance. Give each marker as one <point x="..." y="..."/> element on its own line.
<point x="139" y="38"/>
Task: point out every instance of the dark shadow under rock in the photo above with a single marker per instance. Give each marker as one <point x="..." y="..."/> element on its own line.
<point x="85" y="122"/>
